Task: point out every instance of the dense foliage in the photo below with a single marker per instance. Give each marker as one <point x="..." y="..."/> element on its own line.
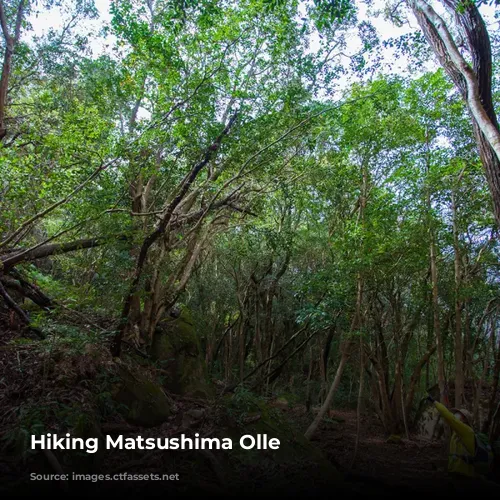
<point x="211" y="160"/>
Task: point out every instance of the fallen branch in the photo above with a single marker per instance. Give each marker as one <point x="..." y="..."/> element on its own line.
<point x="11" y="303"/>
<point x="47" y="250"/>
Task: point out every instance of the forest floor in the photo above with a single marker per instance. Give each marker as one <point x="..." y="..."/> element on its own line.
<point x="381" y="465"/>
<point x="414" y="462"/>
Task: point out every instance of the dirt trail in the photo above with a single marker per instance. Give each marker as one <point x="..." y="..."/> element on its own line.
<point x="406" y="461"/>
<point x="413" y="463"/>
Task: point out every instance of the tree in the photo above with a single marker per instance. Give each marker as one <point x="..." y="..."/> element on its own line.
<point x="474" y="83"/>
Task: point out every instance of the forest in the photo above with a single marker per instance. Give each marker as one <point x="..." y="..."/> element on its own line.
<point x="231" y="217"/>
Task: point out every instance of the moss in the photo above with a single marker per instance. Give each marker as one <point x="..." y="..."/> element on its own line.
<point x="294" y="448"/>
<point x="394" y="439"/>
<point x="144" y="401"/>
<point x="176" y="348"/>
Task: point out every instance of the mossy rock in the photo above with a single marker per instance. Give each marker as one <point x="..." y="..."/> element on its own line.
<point x="281" y="403"/>
<point x="294" y="449"/>
<point x="176" y="347"/>
<point x="394" y="439"/>
<point x="144" y="402"/>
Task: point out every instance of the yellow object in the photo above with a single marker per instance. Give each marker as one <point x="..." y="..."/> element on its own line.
<point x="462" y="443"/>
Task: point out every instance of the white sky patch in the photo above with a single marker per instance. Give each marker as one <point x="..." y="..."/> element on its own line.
<point x="386" y="29"/>
<point x="392" y="63"/>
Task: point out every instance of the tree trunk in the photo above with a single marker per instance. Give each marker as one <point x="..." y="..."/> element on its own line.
<point x="479" y="387"/>
<point x="436" y="322"/>
<point x="435" y="300"/>
<point x="360" y="399"/>
<point x="10" y="45"/>
<point x="309" y="378"/>
<point x="258" y="340"/>
<point x="241" y="343"/>
<point x="474" y="84"/>
<point x="493" y="394"/>
<point x="4" y="84"/>
<point x="459" y="353"/>
<point x="397" y="395"/>
<point x="416" y="377"/>
<point x="326" y="405"/>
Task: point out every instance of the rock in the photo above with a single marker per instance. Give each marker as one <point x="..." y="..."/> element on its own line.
<point x="192" y="416"/>
<point x="196" y="414"/>
<point x="429" y="425"/>
<point x="176" y="346"/>
<point x="144" y="401"/>
<point x="394" y="439"/>
<point x="294" y="449"/>
<point x="280" y="403"/>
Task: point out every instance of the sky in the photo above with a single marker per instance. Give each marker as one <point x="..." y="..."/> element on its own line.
<point x="385" y="28"/>
<point x="42" y="22"/>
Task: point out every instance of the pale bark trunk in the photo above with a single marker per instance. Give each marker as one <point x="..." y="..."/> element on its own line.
<point x="475" y="85"/>
<point x="4" y="84"/>
<point x="356" y="322"/>
<point x="468" y="339"/>
<point x="459" y="354"/>
<point x="326" y="405"/>
<point x="436" y="322"/>
<point x="474" y="103"/>
<point x="360" y="400"/>
<point x="397" y="396"/>
<point x="435" y="298"/>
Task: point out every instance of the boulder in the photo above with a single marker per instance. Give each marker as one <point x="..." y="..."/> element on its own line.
<point x="429" y="425"/>
<point x="143" y="401"/>
<point x="280" y="403"/>
<point x="294" y="451"/>
<point x="394" y="439"/>
<point x="176" y="348"/>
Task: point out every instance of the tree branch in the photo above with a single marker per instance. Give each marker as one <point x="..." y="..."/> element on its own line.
<point x="7" y="263"/>
<point x="475" y="105"/>
<point x="58" y="203"/>
<point x="3" y="22"/>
